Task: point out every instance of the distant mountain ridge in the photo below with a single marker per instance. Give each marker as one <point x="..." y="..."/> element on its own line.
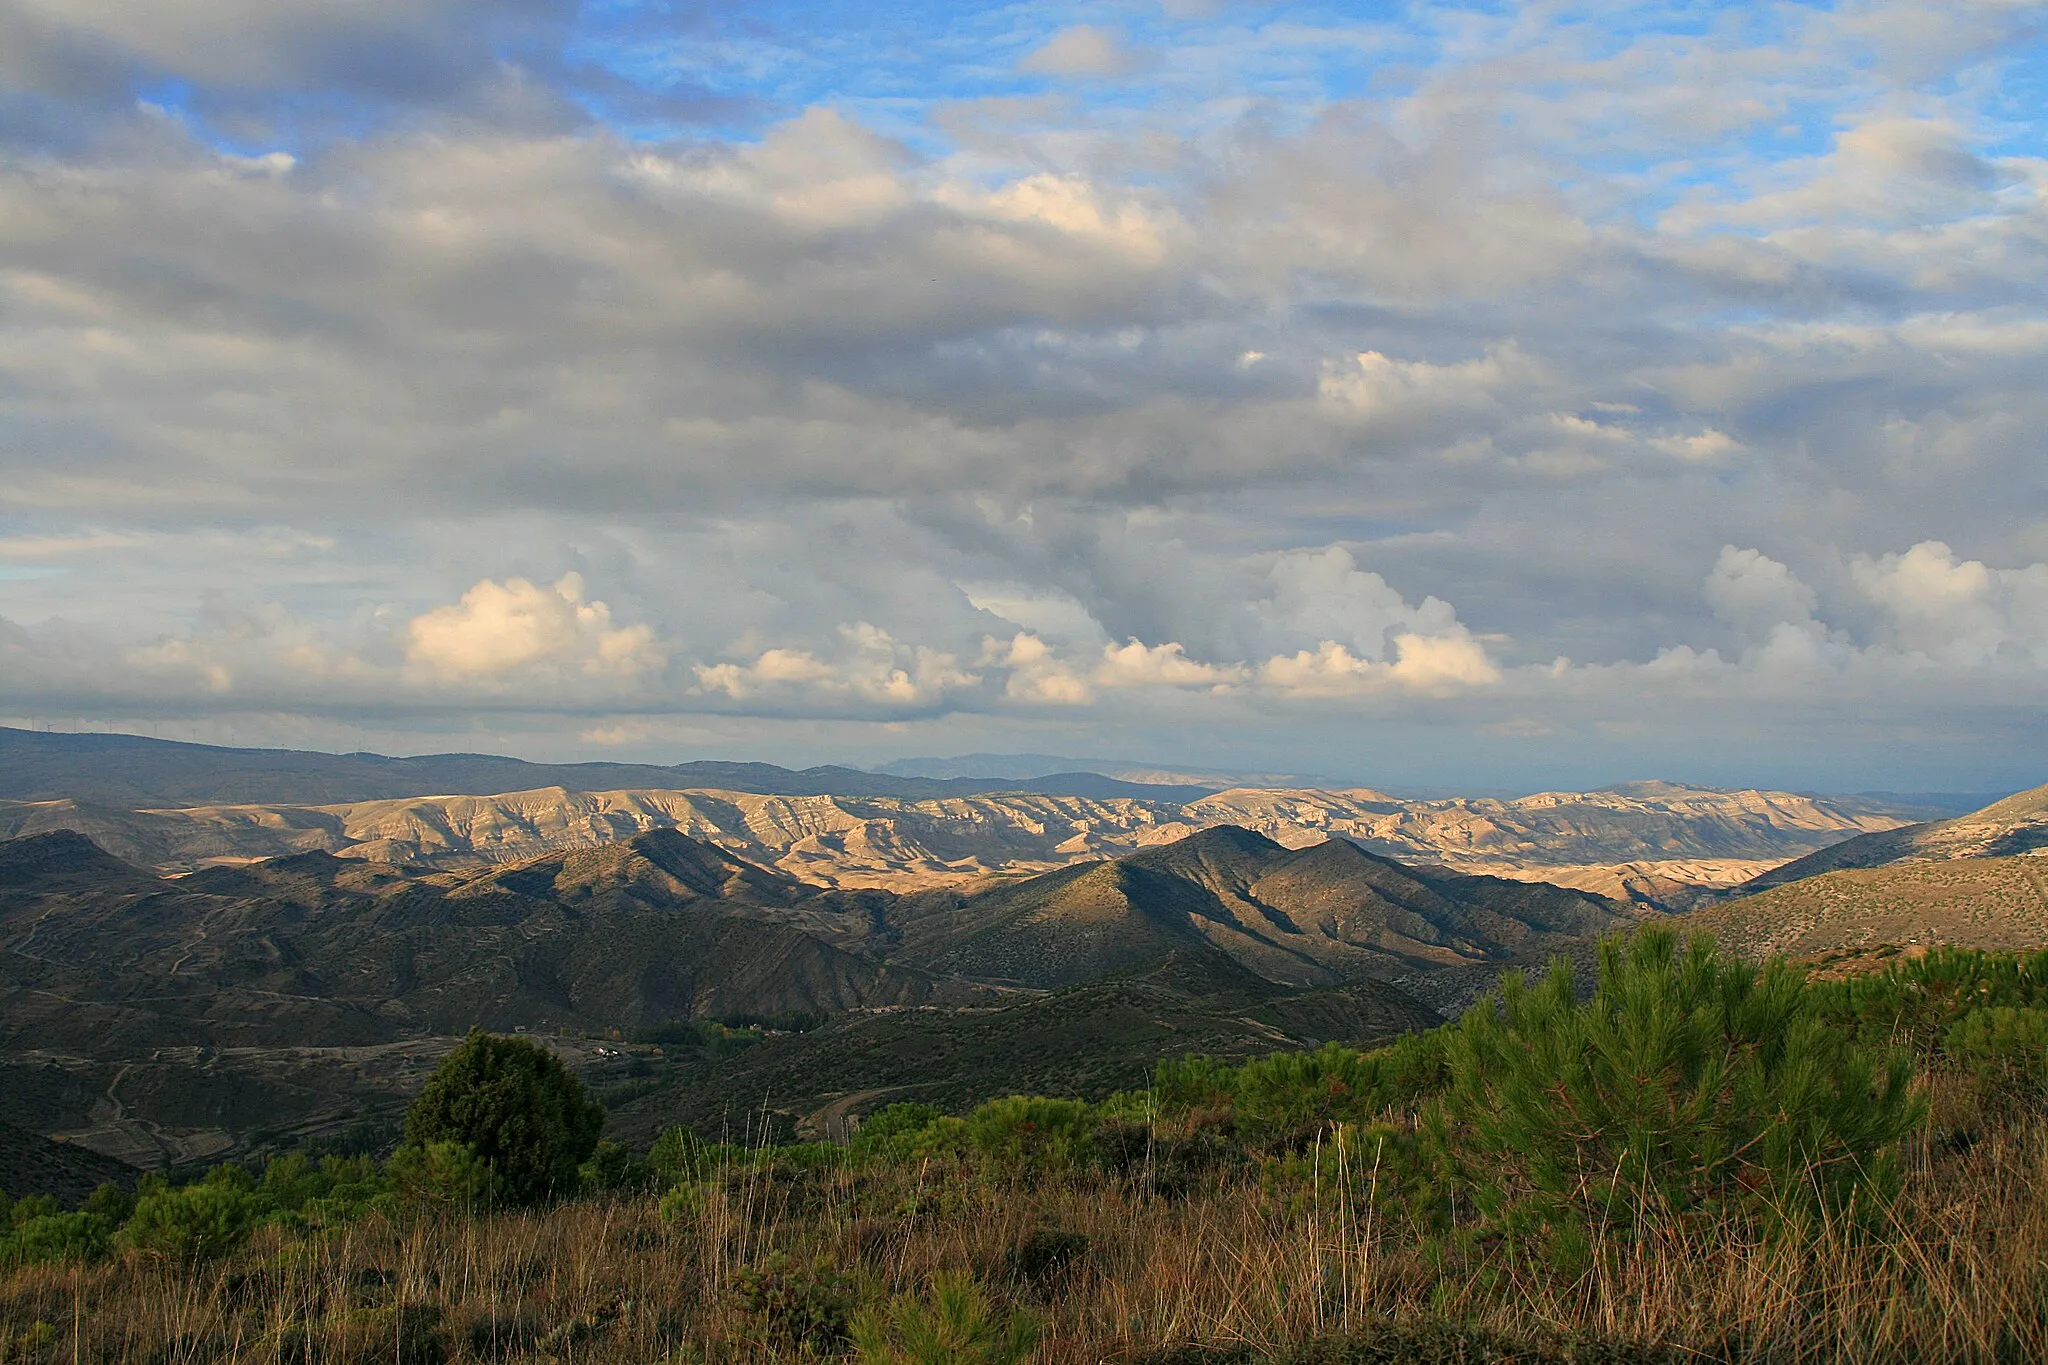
<point x="1030" y="766"/>
<point x="135" y="772"/>
<point x="1655" y="843"/>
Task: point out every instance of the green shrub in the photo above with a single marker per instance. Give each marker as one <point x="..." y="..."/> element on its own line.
<point x="795" y="1307"/>
<point x="1030" y="1132"/>
<point x="444" y="1175"/>
<point x="1193" y="1085"/>
<point x="954" y="1325"/>
<point x="1687" y="1083"/>
<point x="194" y="1224"/>
<point x="893" y="1133"/>
<point x="55" y="1238"/>
<point x="515" y="1105"/>
<point x="30" y="1207"/>
<point x="2005" y="1050"/>
<point x="677" y="1154"/>
<point x="305" y="1193"/>
<point x="1289" y="1098"/>
<point x="685" y="1200"/>
<point x="27" y="1342"/>
<point x="1914" y="1001"/>
<point x="112" y="1203"/>
<point x="613" y="1169"/>
<point x="1292" y="1098"/>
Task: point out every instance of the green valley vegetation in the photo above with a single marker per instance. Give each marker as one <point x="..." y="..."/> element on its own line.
<point x="1685" y="1158"/>
<point x="245" y="1010"/>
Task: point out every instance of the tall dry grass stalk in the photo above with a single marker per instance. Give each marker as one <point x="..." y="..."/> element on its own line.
<point x="1962" y="1274"/>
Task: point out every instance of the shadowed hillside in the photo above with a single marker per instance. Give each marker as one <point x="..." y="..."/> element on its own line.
<point x="173" y="1017"/>
<point x="1306" y="917"/>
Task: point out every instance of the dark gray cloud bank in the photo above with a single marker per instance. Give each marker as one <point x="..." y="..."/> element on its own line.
<point x="1542" y="420"/>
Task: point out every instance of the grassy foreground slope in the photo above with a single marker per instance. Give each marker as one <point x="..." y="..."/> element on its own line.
<point x="1704" y="1161"/>
<point x="1991" y="903"/>
<point x="2011" y="827"/>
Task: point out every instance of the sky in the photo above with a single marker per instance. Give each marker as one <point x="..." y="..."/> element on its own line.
<point x="1490" y="395"/>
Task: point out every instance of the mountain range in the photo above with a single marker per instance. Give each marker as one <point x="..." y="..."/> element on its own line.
<point x="254" y="982"/>
<point x="1656" y="843"/>
<point x="184" y="976"/>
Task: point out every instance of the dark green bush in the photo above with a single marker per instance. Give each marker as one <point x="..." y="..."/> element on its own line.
<point x="716" y="1038"/>
<point x="444" y="1175"/>
<point x="2005" y="1050"/>
<point x="1687" y="1083"/>
<point x="794" y="1307"/>
<point x="48" y="1238"/>
<point x="112" y="1203"/>
<point x="513" y="1104"/>
<point x="613" y="1169"/>
<point x="30" y="1207"/>
<point x="1193" y="1085"/>
<point x="678" y="1154"/>
<point x="1292" y="1098"/>
<point x="1288" y="1099"/>
<point x="1031" y="1132"/>
<point x="1914" y="1001"/>
<point x="955" y="1324"/>
<point x="892" y="1133"/>
<point x="1044" y="1253"/>
<point x="194" y="1224"/>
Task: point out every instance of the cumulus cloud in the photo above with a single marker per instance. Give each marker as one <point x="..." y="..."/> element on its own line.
<point x="1135" y="664"/>
<point x="1958" y="611"/>
<point x="1756" y="594"/>
<point x="1037" y="675"/>
<point x="1324" y="596"/>
<point x="1434" y="664"/>
<point x="871" y="665"/>
<point x="502" y="628"/>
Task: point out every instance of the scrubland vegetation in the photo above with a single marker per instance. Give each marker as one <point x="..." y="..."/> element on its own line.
<point x="1700" y="1160"/>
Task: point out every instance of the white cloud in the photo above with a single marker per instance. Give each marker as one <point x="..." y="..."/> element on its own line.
<point x="1435" y="665"/>
<point x="1755" y="594"/>
<point x="1958" y="612"/>
<point x="1081" y="50"/>
<point x="1134" y="664"/>
<point x="1375" y="387"/>
<point x="501" y="628"/>
<point x="1888" y="169"/>
<point x="870" y="665"/>
<point x="1036" y="675"/>
<point x="1323" y="595"/>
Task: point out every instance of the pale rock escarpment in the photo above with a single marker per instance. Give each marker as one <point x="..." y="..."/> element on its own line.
<point x="1646" y="842"/>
